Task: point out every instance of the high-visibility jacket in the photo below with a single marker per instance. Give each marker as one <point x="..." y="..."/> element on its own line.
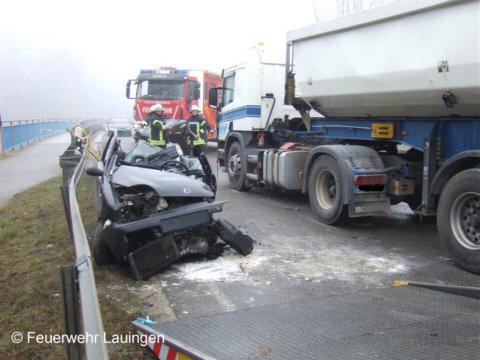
<point x="147" y="120"/>
<point x="198" y="124"/>
<point x="157" y="131"/>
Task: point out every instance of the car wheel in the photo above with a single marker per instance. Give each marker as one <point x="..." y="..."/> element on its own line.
<point x="100" y="250"/>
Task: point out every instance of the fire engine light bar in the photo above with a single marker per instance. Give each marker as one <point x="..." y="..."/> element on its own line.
<point x="163" y="70"/>
<point x="370" y="179"/>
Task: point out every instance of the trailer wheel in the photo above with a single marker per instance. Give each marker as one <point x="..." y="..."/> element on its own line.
<point x="324" y="181"/>
<point x="236" y="168"/>
<point x="100" y="250"/>
<point x="458" y="219"/>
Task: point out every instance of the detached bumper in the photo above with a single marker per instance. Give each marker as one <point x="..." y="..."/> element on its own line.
<point x="185" y="217"/>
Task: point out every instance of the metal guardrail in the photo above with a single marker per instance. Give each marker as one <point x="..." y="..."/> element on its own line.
<point x="17" y="133"/>
<point x="78" y="280"/>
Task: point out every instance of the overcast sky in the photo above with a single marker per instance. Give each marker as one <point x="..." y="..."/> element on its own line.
<point x="70" y="59"/>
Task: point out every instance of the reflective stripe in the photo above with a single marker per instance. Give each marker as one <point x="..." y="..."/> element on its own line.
<point x="198" y="129"/>
<point x="156" y="142"/>
<point x="161" y="140"/>
<point x="158" y="121"/>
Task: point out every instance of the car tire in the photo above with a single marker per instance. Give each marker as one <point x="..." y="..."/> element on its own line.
<point x="100" y="250"/>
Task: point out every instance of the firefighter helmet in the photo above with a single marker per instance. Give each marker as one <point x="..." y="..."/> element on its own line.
<point x="156" y="107"/>
<point x="194" y="108"/>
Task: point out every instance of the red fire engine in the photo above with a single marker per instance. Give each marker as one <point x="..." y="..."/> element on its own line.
<point x="176" y="90"/>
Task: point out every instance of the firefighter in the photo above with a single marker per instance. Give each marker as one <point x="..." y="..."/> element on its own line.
<point x="198" y="125"/>
<point x="151" y="113"/>
<point x="143" y="133"/>
<point x="158" y="127"/>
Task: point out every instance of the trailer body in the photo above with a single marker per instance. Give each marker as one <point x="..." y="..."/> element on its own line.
<point x="404" y="59"/>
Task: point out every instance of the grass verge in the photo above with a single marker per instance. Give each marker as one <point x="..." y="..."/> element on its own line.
<point x="34" y="241"/>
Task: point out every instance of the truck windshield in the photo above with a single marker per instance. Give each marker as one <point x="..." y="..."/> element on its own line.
<point x="160" y="90"/>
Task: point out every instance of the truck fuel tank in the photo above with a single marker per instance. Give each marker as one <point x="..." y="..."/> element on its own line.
<point x="283" y="168"/>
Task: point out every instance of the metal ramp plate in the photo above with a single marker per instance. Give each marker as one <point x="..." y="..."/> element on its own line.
<point x="403" y="322"/>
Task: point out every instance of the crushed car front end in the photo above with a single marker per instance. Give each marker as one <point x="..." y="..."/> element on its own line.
<point x="156" y="206"/>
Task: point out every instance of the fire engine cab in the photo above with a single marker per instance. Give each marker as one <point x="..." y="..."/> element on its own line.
<point x="177" y="90"/>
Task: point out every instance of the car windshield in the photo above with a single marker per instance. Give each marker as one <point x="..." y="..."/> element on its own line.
<point x="147" y="154"/>
<point x="119" y="121"/>
<point x="142" y="149"/>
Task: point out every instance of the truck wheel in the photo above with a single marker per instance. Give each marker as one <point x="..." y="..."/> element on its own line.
<point x="236" y="168"/>
<point x="324" y="184"/>
<point x="100" y="250"/>
<point x="458" y="219"/>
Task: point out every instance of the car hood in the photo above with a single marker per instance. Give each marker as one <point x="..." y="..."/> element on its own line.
<point x="163" y="182"/>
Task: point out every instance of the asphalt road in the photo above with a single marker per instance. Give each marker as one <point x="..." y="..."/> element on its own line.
<point x="296" y="257"/>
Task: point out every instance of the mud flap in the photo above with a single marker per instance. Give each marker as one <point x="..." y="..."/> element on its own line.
<point x="149" y="259"/>
<point x="235" y="237"/>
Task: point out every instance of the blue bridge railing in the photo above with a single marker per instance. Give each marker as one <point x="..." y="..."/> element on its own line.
<point x="16" y="133"/>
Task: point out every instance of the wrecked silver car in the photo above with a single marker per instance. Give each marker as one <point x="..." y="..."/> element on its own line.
<point x="155" y="206"/>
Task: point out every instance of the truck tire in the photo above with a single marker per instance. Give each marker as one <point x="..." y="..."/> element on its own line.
<point x="236" y="168"/>
<point x="327" y="203"/>
<point x="458" y="219"/>
<point x="100" y="250"/>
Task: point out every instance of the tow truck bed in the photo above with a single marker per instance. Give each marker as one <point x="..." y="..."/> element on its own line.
<point x="390" y="323"/>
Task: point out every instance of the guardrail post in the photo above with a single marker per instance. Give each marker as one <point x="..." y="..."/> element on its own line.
<point x="66" y="204"/>
<point x="71" y="319"/>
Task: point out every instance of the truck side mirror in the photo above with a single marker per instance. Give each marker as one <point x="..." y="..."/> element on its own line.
<point x="196" y="94"/>
<point x="196" y="90"/>
<point x="127" y="92"/>
<point x="213" y="98"/>
<point x="193" y="90"/>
